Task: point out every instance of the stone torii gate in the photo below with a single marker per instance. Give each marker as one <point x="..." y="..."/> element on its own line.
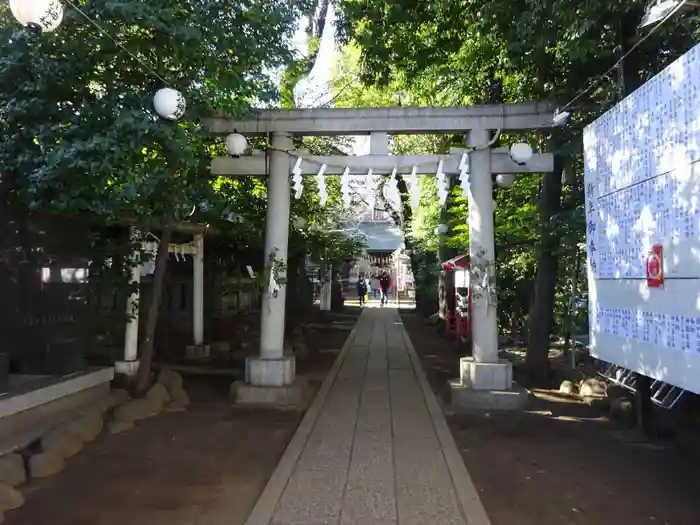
<point x="270" y="377"/>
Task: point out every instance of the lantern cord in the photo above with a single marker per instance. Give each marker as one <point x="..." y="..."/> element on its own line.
<point x="102" y="30"/>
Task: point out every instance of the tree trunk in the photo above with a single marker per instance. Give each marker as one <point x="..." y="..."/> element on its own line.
<point x="537" y="360"/>
<point x="571" y="312"/>
<point x="542" y="314"/>
<point x="146" y="351"/>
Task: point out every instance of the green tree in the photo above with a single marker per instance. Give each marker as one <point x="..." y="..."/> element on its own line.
<point x="79" y="135"/>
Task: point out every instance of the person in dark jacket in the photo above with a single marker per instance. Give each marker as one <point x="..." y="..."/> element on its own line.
<point x="384" y="285"/>
<point x="362" y="289"/>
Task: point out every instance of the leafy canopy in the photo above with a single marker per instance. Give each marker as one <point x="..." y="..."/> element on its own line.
<point x="78" y="130"/>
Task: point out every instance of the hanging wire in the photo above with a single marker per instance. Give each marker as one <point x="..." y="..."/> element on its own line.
<point x="102" y="30"/>
<point x="623" y="57"/>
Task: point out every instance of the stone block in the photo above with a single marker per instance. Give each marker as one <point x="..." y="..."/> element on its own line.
<point x="12" y="471"/>
<point x="10" y="498"/>
<point x="469" y="399"/>
<point x="567" y="387"/>
<point x="117" y="427"/>
<point x="87" y="427"/>
<point x="294" y="395"/>
<point x="170" y="379"/>
<point x="486" y="376"/>
<point x="63" y="442"/>
<point x="180" y="397"/>
<point x="126" y="368"/>
<point x="592" y="387"/>
<point x="45" y="464"/>
<point x="198" y="352"/>
<point x="158" y="394"/>
<point x="157" y="397"/>
<point x="270" y="372"/>
<point x="156" y="406"/>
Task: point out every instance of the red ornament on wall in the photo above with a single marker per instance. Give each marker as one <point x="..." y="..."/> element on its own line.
<point x="655" y="266"/>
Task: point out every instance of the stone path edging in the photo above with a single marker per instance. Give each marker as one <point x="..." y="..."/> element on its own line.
<point x="264" y="509"/>
<point x="469" y="500"/>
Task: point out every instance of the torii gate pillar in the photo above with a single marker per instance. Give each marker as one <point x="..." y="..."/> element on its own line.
<point x="482" y="249"/>
<point x="272" y="367"/>
<point x="485" y="380"/>
<point x="269" y="377"/>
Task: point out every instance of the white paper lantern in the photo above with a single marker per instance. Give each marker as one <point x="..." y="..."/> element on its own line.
<point x="169" y="103"/>
<point x="441" y="229"/>
<point x="505" y="180"/>
<point x="236" y="144"/>
<point x="521" y="153"/>
<point x="43" y="14"/>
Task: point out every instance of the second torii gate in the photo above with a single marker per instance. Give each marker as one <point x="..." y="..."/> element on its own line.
<point x="270" y="376"/>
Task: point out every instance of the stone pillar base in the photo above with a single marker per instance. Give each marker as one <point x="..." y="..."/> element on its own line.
<point x="127" y="368"/>
<point x="288" y="396"/>
<point x="486" y="376"/>
<point x="270" y="372"/>
<point x="198" y="352"/>
<point x="487" y="386"/>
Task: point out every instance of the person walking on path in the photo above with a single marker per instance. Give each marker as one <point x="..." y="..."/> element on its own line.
<point x="374" y="282"/>
<point x="362" y="289"/>
<point x="384" y="285"/>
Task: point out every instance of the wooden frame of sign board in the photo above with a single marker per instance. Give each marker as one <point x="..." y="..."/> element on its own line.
<point x="642" y="184"/>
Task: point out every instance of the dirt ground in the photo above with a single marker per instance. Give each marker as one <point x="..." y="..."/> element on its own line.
<point x="205" y="466"/>
<point x="562" y="462"/>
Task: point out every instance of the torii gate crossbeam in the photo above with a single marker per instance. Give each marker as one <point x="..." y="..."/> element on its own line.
<point x="524" y="116"/>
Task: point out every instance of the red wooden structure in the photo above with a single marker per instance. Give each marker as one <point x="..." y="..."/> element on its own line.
<point x="458" y="317"/>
